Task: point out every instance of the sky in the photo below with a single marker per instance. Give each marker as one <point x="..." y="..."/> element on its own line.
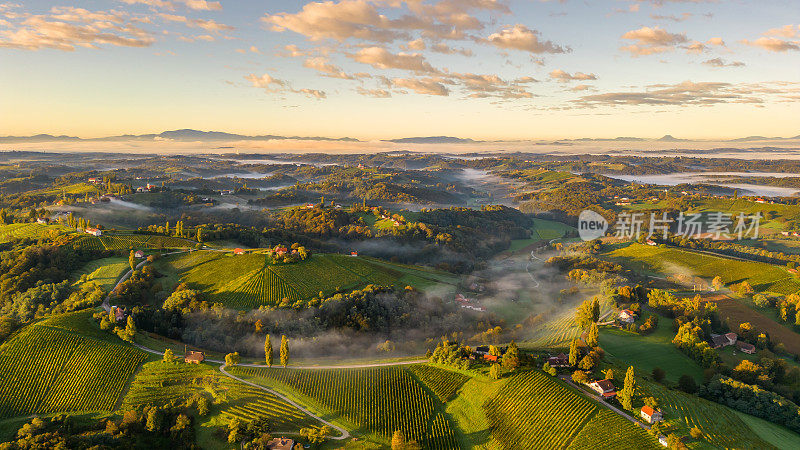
<point x="382" y="69"/>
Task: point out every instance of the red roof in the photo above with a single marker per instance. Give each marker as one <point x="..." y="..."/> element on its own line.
<point x="647" y="410"/>
<point x="605" y="385"/>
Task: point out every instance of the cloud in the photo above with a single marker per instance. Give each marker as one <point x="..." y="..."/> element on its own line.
<point x="446" y="49"/>
<point x="340" y="21"/>
<point x="482" y="86"/>
<point x="697" y="47"/>
<point x="202" y="5"/>
<point x="322" y="64"/>
<point x="581" y="87"/>
<point x="380" y="58"/>
<point x="652" y="40"/>
<point x="209" y="25"/>
<point x="273" y="85"/>
<point x="416" y="44"/>
<point x="67" y="28"/>
<point x="719" y="62"/>
<point x="376" y="93"/>
<point x="787" y="31"/>
<point x="197" y="5"/>
<point x="421" y="86"/>
<point x="772" y="44"/>
<point x="522" y="38"/>
<point x="312" y="93"/>
<point x="672" y="17"/>
<point x="564" y="77"/>
<point x="681" y="94"/>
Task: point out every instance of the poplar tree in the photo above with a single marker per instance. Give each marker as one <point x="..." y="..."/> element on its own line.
<point x="284" y="350"/>
<point x="268" y="350"/>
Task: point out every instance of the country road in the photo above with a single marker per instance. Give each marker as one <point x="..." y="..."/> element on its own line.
<point x="596" y="398"/>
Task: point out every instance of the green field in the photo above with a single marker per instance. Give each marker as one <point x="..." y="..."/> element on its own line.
<point x="671" y="261"/>
<point x="546" y="230"/>
<point x="249" y="281"/>
<point x="109" y="241"/>
<point x="377" y="400"/>
<point x="103" y="272"/>
<point x="533" y="410"/>
<point x="159" y="383"/>
<point x="16" y="231"/>
<point x="722" y="427"/>
<point x="648" y="352"/>
<point x="48" y="367"/>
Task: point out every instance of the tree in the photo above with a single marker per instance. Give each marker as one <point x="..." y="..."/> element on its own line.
<point x="593" y="335"/>
<point x="658" y="374"/>
<point x="232" y="359"/>
<point x="583" y="315"/>
<point x="687" y="384"/>
<point x="547" y="368"/>
<point x="168" y="355"/>
<point x="696" y="433"/>
<point x="511" y="358"/>
<point x="316" y="435"/>
<point x="628" y="390"/>
<point x="132" y="260"/>
<point x="717" y="283"/>
<point x="153" y="423"/>
<point x="573" y="353"/>
<point x="130" y="329"/>
<point x="284" y="350"/>
<point x="595" y="309"/>
<point x="674" y="442"/>
<point x="579" y="377"/>
<point x="268" y="350"/>
<point x="398" y="440"/>
<point x="494" y="372"/>
<point x="609" y="374"/>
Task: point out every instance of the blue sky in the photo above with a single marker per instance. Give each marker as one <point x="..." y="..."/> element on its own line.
<point x="485" y="69"/>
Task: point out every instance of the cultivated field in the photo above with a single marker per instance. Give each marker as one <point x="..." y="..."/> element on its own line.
<point x="249" y="281"/>
<point x="103" y="272"/>
<point x="734" y="312"/>
<point x="131" y="241"/>
<point x="533" y="410"/>
<point x="46" y="369"/>
<point x="16" y="231"/>
<point x="381" y="400"/>
<point x="671" y="261"/>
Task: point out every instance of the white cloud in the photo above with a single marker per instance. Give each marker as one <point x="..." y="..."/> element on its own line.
<point x="520" y="37"/>
<point x="652" y="40"/>
<point x="380" y="58"/>
<point x="564" y="77"/>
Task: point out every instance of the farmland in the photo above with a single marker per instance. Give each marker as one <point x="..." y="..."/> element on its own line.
<point x="648" y="352"/>
<point x="103" y="272"/>
<point x="131" y="241"/>
<point x="53" y="369"/>
<point x="533" y="410"/>
<point x="16" y="231"/>
<point x="734" y="312"/>
<point x="249" y="281"/>
<point x="159" y="383"/>
<point x="670" y="261"/>
<point x="721" y="426"/>
<point x="376" y="399"/>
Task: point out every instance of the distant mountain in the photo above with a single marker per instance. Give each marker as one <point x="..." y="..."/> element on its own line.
<point x="670" y="138"/>
<point x="432" y="140"/>
<point x="174" y="135"/>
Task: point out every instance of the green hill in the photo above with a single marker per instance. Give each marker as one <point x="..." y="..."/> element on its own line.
<point x="249" y="281"/>
<point x="61" y="365"/>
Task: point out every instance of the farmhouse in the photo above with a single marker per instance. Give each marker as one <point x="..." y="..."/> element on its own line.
<point x="723" y="340"/>
<point x="94" y="231"/>
<point x="746" y="347"/>
<point x="193" y="357"/>
<point x="353" y="254"/>
<point x="663" y="440"/>
<point x="139" y="254"/>
<point x="42" y="221"/>
<point x="95" y="180"/>
<point x="559" y="360"/>
<point x="605" y="388"/>
<point x="651" y="415"/>
<point x="627" y="316"/>
<point x="119" y="313"/>
<point x="280" y="444"/>
<point x="238" y="251"/>
<point x="651" y="242"/>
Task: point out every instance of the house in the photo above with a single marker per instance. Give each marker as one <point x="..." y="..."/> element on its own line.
<point x="151" y="187"/>
<point x="559" y="360"/>
<point x="353" y="253"/>
<point x="193" y="357"/>
<point x="491" y="358"/>
<point x="141" y="189"/>
<point x="280" y="250"/>
<point x="746" y="347"/>
<point x="309" y="205"/>
<point x="482" y="349"/>
<point x="119" y="313"/>
<point x="139" y="254"/>
<point x="723" y="340"/>
<point x="663" y="440"/>
<point x="238" y="251"/>
<point x="627" y="316"/>
<point x="42" y="221"/>
<point x="651" y="242"/>
<point x="95" y="180"/>
<point x="785" y="233"/>
<point x="605" y="388"/>
<point x="94" y="231"/>
<point x="651" y="415"/>
<point x="281" y="444"/>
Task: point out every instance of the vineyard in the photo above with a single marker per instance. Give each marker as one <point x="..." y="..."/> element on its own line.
<point x="103" y="272"/>
<point x="47" y="369"/>
<point x="130" y="241"/>
<point x="444" y="383"/>
<point x="16" y="231"/>
<point x="160" y="383"/>
<point x="381" y="400"/>
<point x="610" y="430"/>
<point x="532" y="410"/>
<point x="249" y="281"/>
<point x="721" y="426"/>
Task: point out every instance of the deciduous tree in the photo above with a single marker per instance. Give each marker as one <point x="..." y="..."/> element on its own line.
<point x="284" y="350"/>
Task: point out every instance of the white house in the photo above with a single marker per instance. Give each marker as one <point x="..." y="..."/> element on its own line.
<point x="651" y="415"/>
<point x="627" y="316"/>
<point x="94" y="231"/>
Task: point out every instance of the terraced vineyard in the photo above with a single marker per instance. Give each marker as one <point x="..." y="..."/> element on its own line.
<point x="381" y="400"/>
<point x="160" y="383"/>
<point x="533" y="411"/>
<point x="45" y="369"/>
<point x="610" y="430"/>
<point x="16" y="231"/>
<point x="721" y="426"/>
<point x="248" y="281"/>
<point x="444" y="383"/>
<point x="131" y="241"/>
